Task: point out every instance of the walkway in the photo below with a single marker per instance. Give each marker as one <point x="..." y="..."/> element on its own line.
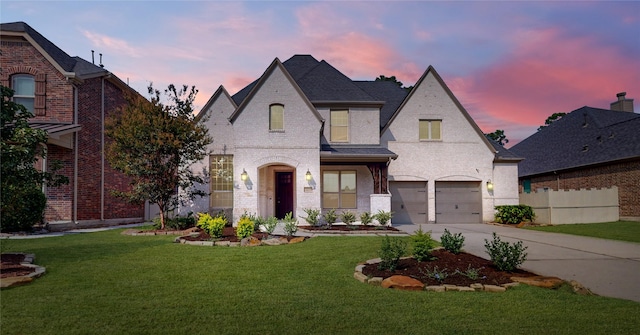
<point x="608" y="268"/>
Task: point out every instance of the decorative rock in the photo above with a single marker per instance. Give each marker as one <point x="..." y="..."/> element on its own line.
<point x="374" y="261"/>
<point x="435" y="288"/>
<point x="272" y="241"/>
<point x="15" y="281"/>
<point x="296" y="240"/>
<point x="477" y="286"/>
<point x="510" y="285"/>
<point x="540" y="281"/>
<point x="359" y="267"/>
<point x="494" y="288"/>
<point x="375" y="281"/>
<point x="465" y="289"/>
<point x="360" y="277"/>
<point x="403" y="283"/>
<point x="223" y="243"/>
<point x="579" y="289"/>
<point x="250" y="242"/>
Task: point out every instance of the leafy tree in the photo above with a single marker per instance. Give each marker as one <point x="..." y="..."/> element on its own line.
<point x="393" y="79"/>
<point x="155" y="144"/>
<point x="499" y="137"/>
<point x="551" y="119"/>
<point x="22" y="199"/>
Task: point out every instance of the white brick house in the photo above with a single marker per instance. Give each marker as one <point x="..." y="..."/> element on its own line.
<point x="303" y="135"/>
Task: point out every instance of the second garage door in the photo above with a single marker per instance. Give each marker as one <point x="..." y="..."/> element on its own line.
<point x="409" y="202"/>
<point x="458" y="202"/>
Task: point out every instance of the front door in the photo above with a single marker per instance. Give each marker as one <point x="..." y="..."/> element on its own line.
<point x="284" y="193"/>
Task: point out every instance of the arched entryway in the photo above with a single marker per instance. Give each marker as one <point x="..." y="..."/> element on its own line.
<point x="277" y="187"/>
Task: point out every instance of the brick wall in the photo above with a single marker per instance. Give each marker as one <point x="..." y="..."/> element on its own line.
<point x="625" y="175"/>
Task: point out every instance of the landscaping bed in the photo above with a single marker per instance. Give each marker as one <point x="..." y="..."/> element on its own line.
<point x="11" y="266"/>
<point x="349" y="228"/>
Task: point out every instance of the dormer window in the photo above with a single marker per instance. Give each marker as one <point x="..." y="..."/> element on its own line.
<point x="276" y="117"/>
<point x="24" y="88"/>
<point x="340" y="125"/>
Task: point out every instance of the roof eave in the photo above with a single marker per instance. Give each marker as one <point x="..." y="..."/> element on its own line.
<point x="26" y="36"/>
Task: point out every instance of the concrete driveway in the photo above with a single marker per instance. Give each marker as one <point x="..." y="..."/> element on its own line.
<point x="608" y="268"/>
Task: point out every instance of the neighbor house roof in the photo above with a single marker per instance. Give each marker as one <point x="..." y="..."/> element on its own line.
<point x="69" y="66"/>
<point x="587" y="136"/>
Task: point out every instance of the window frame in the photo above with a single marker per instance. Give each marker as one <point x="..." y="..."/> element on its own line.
<point x="223" y="187"/>
<point x="344" y="127"/>
<point x="272" y="111"/>
<point x="340" y="191"/>
<point x="430" y="129"/>
<point x="19" y="97"/>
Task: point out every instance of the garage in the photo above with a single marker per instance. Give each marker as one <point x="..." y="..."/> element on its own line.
<point x="409" y="202"/>
<point x="458" y="202"/>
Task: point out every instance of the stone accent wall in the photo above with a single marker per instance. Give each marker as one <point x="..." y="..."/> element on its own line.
<point x="624" y="175"/>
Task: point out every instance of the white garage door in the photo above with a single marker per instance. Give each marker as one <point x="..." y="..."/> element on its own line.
<point x="458" y="202"/>
<point x="409" y="202"/>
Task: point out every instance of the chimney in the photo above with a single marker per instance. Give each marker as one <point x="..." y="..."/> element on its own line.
<point x="623" y="104"/>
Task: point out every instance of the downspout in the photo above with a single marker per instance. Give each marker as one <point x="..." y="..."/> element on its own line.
<point x="75" y="156"/>
<point x="102" y="152"/>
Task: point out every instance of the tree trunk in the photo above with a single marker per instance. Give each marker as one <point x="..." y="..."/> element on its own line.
<point x="161" y="208"/>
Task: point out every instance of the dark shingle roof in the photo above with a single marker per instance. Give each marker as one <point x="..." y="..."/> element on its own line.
<point x="586" y="136"/>
<point x="386" y="91"/>
<point x="355" y="152"/>
<point x="502" y="153"/>
<point x="69" y="64"/>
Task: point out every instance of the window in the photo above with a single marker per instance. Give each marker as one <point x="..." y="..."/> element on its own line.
<point x="526" y="185"/>
<point x="339" y="189"/>
<point x="430" y="130"/>
<point x="339" y="126"/>
<point x="221" y="185"/>
<point x="276" y="117"/>
<point x="24" y="88"/>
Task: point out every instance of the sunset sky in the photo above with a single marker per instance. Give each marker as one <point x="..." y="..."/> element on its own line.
<point x="510" y="63"/>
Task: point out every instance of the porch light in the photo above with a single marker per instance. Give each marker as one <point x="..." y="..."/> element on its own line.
<point x="489" y="185"/>
<point x="244" y="175"/>
<point x="308" y="176"/>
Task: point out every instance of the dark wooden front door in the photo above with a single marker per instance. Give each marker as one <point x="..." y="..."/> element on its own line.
<point x="284" y="193"/>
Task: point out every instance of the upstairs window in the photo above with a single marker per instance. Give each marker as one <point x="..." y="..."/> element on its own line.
<point x="430" y="130"/>
<point x="276" y="117"/>
<point x="24" y="87"/>
<point x="339" y="126"/>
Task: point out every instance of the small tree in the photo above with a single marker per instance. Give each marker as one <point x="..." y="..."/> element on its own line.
<point x="155" y="144"/>
<point x="499" y="137"/>
<point x="22" y="201"/>
<point x="551" y="119"/>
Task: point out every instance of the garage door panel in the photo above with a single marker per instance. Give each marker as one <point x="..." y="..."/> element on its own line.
<point x="458" y="202"/>
<point x="409" y="202"/>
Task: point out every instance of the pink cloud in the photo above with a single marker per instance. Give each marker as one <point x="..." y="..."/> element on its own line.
<point x="112" y="44"/>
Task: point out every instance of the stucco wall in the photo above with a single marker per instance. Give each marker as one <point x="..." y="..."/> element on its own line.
<point x="364" y="124"/>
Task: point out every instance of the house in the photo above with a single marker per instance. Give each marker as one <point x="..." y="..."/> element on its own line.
<point x="70" y="98"/>
<point x="304" y="135"/>
<point x="587" y="148"/>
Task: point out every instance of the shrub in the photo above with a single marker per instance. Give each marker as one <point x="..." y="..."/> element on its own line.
<point x="245" y="227"/>
<point x="471" y="273"/>
<point x="421" y="245"/>
<point x="348" y="217"/>
<point x="504" y="255"/>
<point x="212" y="225"/>
<point x="270" y="224"/>
<point x="330" y="217"/>
<point x="390" y="253"/>
<point x="435" y="273"/>
<point x="383" y="217"/>
<point x="290" y="224"/>
<point x="313" y="216"/>
<point x="177" y="223"/>
<point x="257" y="222"/>
<point x="514" y="214"/>
<point x="22" y="208"/>
<point x="452" y="243"/>
<point x="366" y="218"/>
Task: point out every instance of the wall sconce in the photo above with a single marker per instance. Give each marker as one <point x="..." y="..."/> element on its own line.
<point x="308" y="176"/>
<point x="489" y="185"/>
<point x="244" y="176"/>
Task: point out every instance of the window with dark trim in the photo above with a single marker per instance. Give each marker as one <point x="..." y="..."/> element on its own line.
<point x="24" y="90"/>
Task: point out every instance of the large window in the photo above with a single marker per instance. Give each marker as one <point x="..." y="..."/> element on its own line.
<point x="339" y="126"/>
<point x="430" y="130"/>
<point x="221" y="167"/>
<point x="24" y="88"/>
<point x="276" y="117"/>
<point x="339" y="189"/>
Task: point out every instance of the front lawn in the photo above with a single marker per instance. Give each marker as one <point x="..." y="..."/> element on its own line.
<point x="620" y="230"/>
<point x="108" y="283"/>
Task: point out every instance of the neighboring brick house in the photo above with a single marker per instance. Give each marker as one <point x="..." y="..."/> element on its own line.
<point x="587" y="148"/>
<point x="70" y="98"/>
<point x="304" y="135"/>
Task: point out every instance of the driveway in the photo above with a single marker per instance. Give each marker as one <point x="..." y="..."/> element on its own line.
<point x="608" y="268"/>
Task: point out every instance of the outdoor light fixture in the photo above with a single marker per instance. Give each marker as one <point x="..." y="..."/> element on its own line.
<point x="308" y="176"/>
<point x="244" y="175"/>
<point x="489" y="185"/>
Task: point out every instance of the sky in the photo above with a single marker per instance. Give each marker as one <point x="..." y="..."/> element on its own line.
<point x="510" y="63"/>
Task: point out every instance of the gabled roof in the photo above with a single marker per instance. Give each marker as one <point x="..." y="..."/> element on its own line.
<point x="276" y="64"/>
<point x="67" y="65"/>
<point x="387" y="91"/>
<point x="586" y="136"/>
<point x="502" y="154"/>
<point x="453" y="98"/>
<point x="221" y="91"/>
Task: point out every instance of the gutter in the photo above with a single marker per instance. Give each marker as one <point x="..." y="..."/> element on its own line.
<point x="75" y="156"/>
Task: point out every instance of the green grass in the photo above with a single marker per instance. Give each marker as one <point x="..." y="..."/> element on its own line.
<point x="108" y="283"/>
<point x="621" y="230"/>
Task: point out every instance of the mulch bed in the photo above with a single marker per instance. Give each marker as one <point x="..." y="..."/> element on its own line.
<point x="447" y="263"/>
<point x="348" y="228"/>
<point x="228" y="234"/>
<point x="10" y="266"/>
